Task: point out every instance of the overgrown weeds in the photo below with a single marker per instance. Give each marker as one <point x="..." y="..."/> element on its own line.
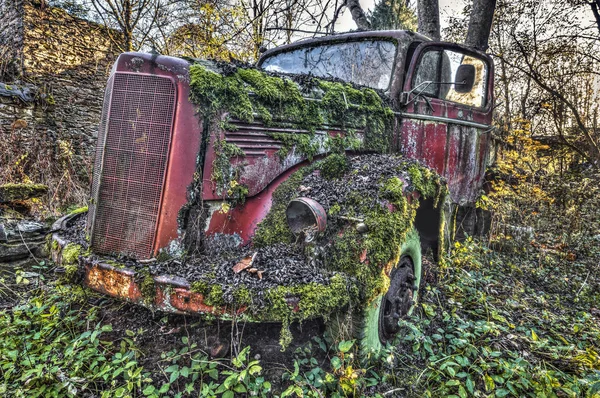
<point x="42" y="159"/>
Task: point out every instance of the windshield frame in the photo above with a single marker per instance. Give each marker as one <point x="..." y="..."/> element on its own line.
<point x="331" y="42"/>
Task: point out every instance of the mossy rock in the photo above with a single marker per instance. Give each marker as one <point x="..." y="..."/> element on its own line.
<point x="17" y="192"/>
<point x="70" y="254"/>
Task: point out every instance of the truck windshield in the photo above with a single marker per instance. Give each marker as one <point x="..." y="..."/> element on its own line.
<point x="366" y="62"/>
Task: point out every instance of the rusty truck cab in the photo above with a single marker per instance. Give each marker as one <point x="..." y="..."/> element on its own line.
<point x="439" y="121"/>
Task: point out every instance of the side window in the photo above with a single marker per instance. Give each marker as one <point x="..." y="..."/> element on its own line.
<point x="427" y="73"/>
<point x="444" y="74"/>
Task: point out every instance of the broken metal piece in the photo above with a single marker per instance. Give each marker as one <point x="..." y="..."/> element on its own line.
<point x="354" y="219"/>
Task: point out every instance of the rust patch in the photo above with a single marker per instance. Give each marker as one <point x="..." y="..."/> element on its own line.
<point x="184" y="300"/>
<point x="114" y="282"/>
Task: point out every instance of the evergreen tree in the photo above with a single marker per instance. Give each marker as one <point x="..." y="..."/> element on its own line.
<point x="393" y="14"/>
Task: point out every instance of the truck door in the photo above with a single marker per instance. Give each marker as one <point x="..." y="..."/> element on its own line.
<point x="446" y="113"/>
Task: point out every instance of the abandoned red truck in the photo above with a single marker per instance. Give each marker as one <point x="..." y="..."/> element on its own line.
<point x="306" y="186"/>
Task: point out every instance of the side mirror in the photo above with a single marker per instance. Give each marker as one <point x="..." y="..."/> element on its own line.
<point x="465" y="78"/>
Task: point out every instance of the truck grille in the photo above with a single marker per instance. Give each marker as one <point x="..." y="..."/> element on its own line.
<point x="98" y="156"/>
<point x="130" y="164"/>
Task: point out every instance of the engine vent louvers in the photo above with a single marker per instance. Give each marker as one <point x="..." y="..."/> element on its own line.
<point x="131" y="160"/>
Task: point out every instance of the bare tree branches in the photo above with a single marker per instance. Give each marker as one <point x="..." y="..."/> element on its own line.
<point x="548" y="73"/>
<point x="134" y="19"/>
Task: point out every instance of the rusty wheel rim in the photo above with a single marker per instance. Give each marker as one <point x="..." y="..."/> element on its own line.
<point x="398" y="300"/>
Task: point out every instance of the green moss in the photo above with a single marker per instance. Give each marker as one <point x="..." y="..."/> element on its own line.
<point x="359" y="109"/>
<point x="342" y="143"/>
<point x="15" y="192"/>
<point x="334" y="209"/>
<point x="214" y="296"/>
<point x="78" y="210"/>
<point x="163" y="256"/>
<point x="279" y="99"/>
<point x="285" y="336"/>
<point x="215" y="92"/>
<point x="302" y="143"/>
<point x="71" y="271"/>
<point x="148" y="287"/>
<point x="199" y="286"/>
<point x="288" y="304"/>
<point x="334" y="166"/>
<point x="388" y="223"/>
<point x="242" y="296"/>
<point x="246" y="93"/>
<point x="70" y="254"/>
<point x="237" y="192"/>
<point x="423" y="180"/>
<point x="223" y="173"/>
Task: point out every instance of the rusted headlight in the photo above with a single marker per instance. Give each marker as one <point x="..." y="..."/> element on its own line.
<point x="306" y="217"/>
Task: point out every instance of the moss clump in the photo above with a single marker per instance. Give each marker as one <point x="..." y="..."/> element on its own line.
<point x="242" y="296"/>
<point x="199" y="286"/>
<point x="70" y="253"/>
<point x="215" y="296"/>
<point x="288" y="304"/>
<point x="359" y="109"/>
<point x="245" y="93"/>
<point x="423" y="181"/>
<point x="71" y="272"/>
<point x="342" y="143"/>
<point x="302" y="143"/>
<point x="16" y="192"/>
<point x="285" y="336"/>
<point x="223" y="173"/>
<point x="334" y="166"/>
<point x="237" y="192"/>
<point x="148" y="287"/>
<point x="312" y="299"/>
<point x="334" y="209"/>
<point x="216" y="92"/>
<point x="78" y="210"/>
<point x="54" y="245"/>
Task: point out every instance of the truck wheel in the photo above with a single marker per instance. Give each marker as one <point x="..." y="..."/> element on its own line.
<point x="380" y="318"/>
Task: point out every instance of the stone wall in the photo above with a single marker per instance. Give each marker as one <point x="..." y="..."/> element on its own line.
<point x="11" y="38"/>
<point x="64" y="61"/>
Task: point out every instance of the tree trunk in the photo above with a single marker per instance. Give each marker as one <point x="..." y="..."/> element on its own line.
<point x="428" y="15"/>
<point x="127" y="29"/>
<point x="358" y="15"/>
<point x="480" y="24"/>
<point x="595" y="4"/>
